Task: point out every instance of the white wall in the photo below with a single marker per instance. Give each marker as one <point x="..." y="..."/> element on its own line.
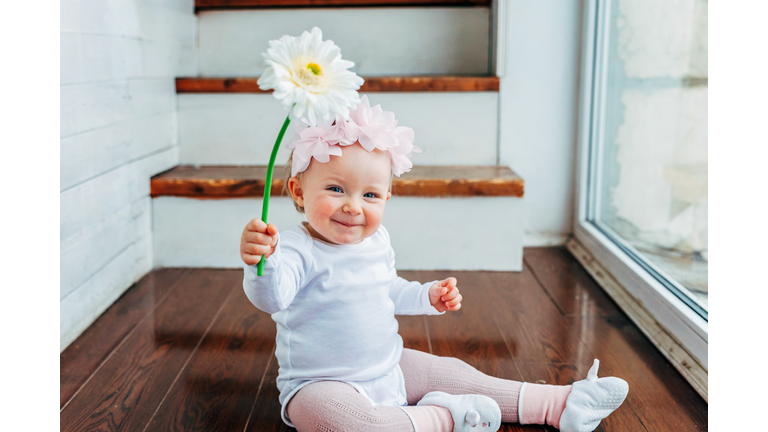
<point x="118" y="128"/>
<point x="240" y="129"/>
<point x="538" y="110"/>
<point x="380" y="41"/>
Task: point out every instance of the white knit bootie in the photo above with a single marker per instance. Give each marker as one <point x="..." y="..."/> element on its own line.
<point x="591" y="400"/>
<point x="469" y="412"/>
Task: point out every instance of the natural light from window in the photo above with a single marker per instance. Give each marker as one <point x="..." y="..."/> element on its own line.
<point x="652" y="175"/>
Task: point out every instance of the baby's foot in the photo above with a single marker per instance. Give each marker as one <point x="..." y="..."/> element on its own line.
<point x="591" y="400"/>
<point x="469" y="412"/>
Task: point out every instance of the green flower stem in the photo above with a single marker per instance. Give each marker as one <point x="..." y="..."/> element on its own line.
<point x="268" y="185"/>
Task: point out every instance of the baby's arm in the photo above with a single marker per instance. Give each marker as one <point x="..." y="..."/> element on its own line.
<point x="432" y="298"/>
<point x="283" y="271"/>
<point x="411" y="298"/>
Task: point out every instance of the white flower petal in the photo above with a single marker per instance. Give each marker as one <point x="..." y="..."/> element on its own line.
<point x="322" y="91"/>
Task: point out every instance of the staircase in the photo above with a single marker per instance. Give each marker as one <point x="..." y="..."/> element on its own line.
<point x="427" y="61"/>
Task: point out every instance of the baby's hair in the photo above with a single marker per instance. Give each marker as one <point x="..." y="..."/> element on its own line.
<point x="287" y="190"/>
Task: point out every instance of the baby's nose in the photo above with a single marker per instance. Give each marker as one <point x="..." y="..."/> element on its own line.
<point x="351" y="207"/>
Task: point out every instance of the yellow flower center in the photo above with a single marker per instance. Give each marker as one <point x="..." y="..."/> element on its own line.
<point x="314" y="67"/>
<point x="309" y="76"/>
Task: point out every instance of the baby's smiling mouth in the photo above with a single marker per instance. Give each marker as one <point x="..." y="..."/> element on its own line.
<point x="344" y="223"/>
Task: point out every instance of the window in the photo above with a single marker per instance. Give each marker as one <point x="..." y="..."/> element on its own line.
<point x="643" y="162"/>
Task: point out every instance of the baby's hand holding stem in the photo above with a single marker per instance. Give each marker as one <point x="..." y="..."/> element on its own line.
<point x="444" y="295"/>
<point x="258" y="239"/>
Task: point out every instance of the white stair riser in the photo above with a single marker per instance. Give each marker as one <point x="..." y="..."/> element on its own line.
<point x="240" y="129"/>
<point x="478" y="233"/>
<point x="381" y="41"/>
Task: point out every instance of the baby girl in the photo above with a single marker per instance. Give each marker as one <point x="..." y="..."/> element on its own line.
<point x="332" y="288"/>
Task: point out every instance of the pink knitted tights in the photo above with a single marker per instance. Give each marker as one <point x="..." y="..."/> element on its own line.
<point x="336" y="406"/>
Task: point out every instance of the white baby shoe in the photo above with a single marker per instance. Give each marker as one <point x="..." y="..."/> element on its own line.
<point x="469" y="412"/>
<point x="591" y="400"/>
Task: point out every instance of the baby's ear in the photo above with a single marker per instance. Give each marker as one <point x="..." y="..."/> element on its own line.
<point x="389" y="195"/>
<point x="294" y="186"/>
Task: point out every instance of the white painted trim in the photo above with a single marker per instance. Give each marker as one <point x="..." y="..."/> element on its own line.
<point x="499" y="37"/>
<point x="539" y="239"/>
<point x="498" y="59"/>
<point x="668" y="310"/>
<point x="585" y="107"/>
<point x="678" y="331"/>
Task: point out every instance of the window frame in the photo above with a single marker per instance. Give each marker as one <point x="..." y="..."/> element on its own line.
<point x="668" y="321"/>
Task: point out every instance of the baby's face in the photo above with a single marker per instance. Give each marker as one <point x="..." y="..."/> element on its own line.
<point x="344" y="198"/>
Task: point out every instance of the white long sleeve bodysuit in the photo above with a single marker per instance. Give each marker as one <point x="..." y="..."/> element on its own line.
<point x="335" y="308"/>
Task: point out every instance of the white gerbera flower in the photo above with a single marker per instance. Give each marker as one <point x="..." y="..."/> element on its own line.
<point x="310" y="73"/>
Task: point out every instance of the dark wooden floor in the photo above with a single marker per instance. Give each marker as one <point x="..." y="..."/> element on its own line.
<point x="184" y="350"/>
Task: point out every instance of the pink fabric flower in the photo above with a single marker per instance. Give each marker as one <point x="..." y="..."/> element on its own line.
<point x="309" y="142"/>
<point x="379" y="130"/>
<point x="401" y="154"/>
<point x="344" y="133"/>
<point x="376" y="126"/>
<point x="372" y="127"/>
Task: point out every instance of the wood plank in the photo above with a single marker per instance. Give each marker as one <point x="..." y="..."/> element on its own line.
<point x="81" y="358"/>
<point x="430" y="84"/>
<point x="659" y="396"/>
<point x="531" y="323"/>
<point x="424" y="181"/>
<point x="129" y="387"/>
<point x="567" y="283"/>
<point x="609" y="336"/>
<point x="467" y="333"/>
<point x="441" y="181"/>
<point x="503" y="329"/>
<point x="217" y="388"/>
<point x="413" y="330"/>
<point x="265" y="414"/>
<point x="371" y="85"/>
<point x="257" y="4"/>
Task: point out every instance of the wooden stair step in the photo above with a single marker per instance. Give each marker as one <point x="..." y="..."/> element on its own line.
<point x="207" y="182"/>
<point x="202" y="5"/>
<point x="371" y="85"/>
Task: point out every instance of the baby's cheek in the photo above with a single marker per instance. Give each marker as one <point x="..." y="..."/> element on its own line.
<point x="374" y="217"/>
<point x="321" y="209"/>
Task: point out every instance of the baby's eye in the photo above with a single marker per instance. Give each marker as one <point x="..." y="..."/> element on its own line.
<point x="334" y="189"/>
<point x="370" y="195"/>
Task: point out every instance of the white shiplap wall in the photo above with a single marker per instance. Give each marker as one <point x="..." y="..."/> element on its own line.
<point x="118" y="128"/>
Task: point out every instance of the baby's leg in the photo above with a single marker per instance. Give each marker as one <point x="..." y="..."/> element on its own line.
<point x="335" y="405"/>
<point x="424" y="373"/>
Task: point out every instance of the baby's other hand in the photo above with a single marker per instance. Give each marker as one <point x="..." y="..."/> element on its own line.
<point x="258" y="239"/>
<point x="444" y="295"/>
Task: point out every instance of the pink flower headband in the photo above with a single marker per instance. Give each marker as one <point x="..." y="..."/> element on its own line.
<point x="373" y="127"/>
